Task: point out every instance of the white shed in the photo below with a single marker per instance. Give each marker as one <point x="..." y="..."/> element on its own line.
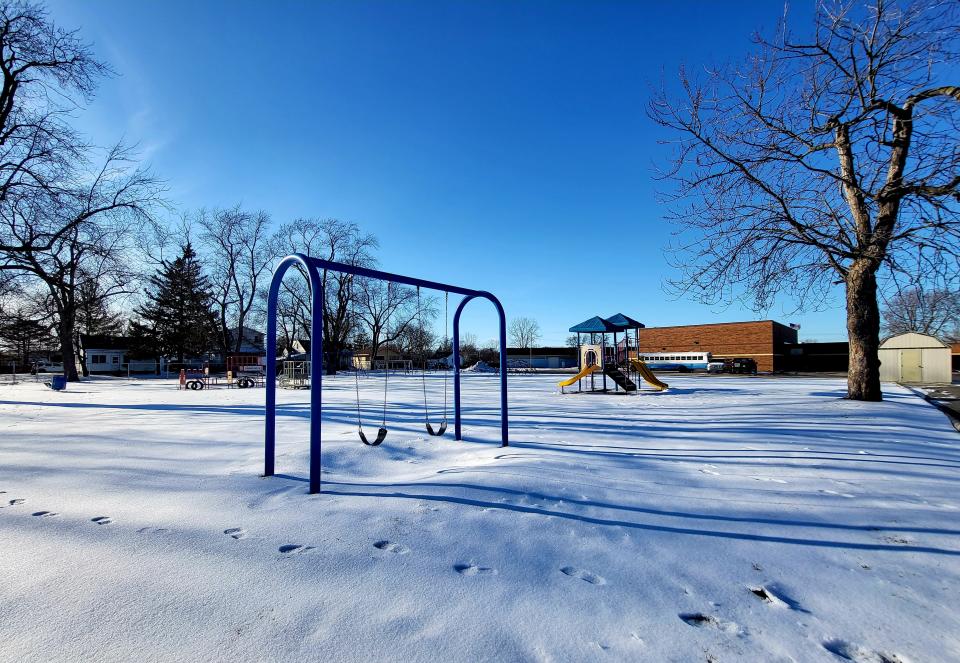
<point x="914" y="357"/>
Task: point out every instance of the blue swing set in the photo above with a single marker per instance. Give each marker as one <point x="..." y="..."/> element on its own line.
<point x="313" y="268"/>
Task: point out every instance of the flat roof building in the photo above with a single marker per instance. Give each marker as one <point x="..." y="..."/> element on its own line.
<point x="765" y="341"/>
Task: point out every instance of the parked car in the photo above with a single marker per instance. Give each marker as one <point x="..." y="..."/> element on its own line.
<point x="47" y="367"/>
<point x="741" y="365"/>
<point x="716" y="367"/>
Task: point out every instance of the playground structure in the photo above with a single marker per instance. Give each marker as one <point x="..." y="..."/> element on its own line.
<point x="295" y="375"/>
<point x="313" y="268"/>
<point x="598" y="360"/>
<point x="249" y="364"/>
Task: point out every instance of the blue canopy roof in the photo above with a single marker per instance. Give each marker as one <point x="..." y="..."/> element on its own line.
<point x="625" y="321"/>
<point x="595" y="325"/>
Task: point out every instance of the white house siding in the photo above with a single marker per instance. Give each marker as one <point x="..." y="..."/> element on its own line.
<point x="105" y="361"/>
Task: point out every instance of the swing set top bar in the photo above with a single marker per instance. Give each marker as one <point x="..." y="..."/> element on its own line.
<point x="312" y="267"/>
<point x="393" y="278"/>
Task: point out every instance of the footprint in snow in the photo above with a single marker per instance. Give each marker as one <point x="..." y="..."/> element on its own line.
<point x="473" y="570"/>
<point x="389" y="546"/>
<point x="776" y="596"/>
<point x="858" y="654"/>
<point x="700" y="620"/>
<point x="294" y="548"/>
<point x="15" y="502"/>
<point x="152" y="530"/>
<point x="586" y="576"/>
<point x="44" y="514"/>
<point x="235" y="533"/>
<point x="101" y="520"/>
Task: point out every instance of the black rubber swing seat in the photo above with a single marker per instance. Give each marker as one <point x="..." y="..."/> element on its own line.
<point x="440" y="431"/>
<point x="381" y="436"/>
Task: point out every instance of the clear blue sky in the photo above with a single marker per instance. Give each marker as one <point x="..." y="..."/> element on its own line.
<point x="497" y="145"/>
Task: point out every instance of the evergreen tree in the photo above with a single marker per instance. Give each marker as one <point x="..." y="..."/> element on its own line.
<point x="178" y="319"/>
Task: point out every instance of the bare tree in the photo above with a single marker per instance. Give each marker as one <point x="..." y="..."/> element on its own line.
<point x="47" y="74"/>
<point x="826" y="158"/>
<point x="63" y="219"/>
<point x="330" y="239"/>
<point x="418" y="340"/>
<point x="87" y="237"/>
<point x="235" y="246"/>
<point x="935" y="312"/>
<point x="524" y="333"/>
<point x="469" y="352"/>
<point x="388" y="310"/>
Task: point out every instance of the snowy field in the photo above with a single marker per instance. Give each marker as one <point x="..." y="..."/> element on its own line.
<point x="728" y="519"/>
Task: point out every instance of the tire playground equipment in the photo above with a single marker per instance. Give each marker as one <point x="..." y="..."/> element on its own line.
<point x="198" y="381"/>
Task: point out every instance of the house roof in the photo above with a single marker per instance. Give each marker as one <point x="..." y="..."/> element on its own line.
<point x="625" y="321"/>
<point x="595" y="325"/>
<point x="104" y="342"/>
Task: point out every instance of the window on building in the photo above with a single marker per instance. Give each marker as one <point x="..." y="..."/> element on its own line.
<point x="116" y="359"/>
<point x="98" y="359"/>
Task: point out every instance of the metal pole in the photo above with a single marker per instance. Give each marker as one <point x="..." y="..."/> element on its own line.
<point x="579" y="363"/>
<point x="456" y="369"/>
<point x="616" y="387"/>
<point x="603" y="358"/>
<point x="270" y="409"/>
<point x="316" y="379"/>
<point x="504" y="426"/>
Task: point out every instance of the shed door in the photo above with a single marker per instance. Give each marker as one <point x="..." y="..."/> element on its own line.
<point x="910" y="368"/>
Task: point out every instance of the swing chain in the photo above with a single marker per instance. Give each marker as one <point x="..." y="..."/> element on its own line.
<point x="382" y="432"/>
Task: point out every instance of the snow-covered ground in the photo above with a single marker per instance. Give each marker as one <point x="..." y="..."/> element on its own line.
<point x="749" y="519"/>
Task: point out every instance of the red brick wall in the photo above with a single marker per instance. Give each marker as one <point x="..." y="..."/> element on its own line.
<point x="762" y="341"/>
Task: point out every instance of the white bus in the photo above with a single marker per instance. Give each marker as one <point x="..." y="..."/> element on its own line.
<point x="676" y="361"/>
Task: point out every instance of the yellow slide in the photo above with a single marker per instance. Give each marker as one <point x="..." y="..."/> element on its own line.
<point x="579" y="376"/>
<point x="648" y="375"/>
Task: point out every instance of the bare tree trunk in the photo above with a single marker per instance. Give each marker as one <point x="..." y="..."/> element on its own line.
<point x="238" y="342"/>
<point x="863" y="328"/>
<point x="81" y="359"/>
<point x="374" y="349"/>
<point x="66" y="346"/>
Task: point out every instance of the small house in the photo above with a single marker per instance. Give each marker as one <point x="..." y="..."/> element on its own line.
<point x="103" y="353"/>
